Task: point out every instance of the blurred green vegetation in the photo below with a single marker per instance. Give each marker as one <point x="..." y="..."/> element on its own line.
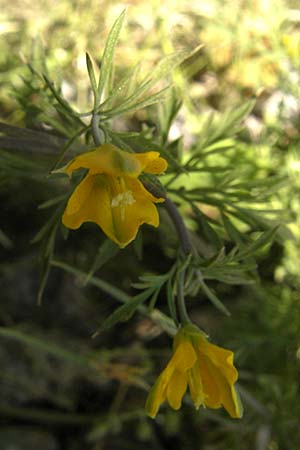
<point x="231" y="121"/>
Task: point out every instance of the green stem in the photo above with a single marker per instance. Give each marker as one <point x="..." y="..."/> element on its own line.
<point x="48" y="347"/>
<point x="185" y="244"/>
<point x="183" y="315"/>
<point x="98" y="135"/>
<point x="49" y="417"/>
<point x="157" y="316"/>
<point x="176" y="218"/>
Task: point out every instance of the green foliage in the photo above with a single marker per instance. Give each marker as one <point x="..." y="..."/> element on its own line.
<point x="236" y="192"/>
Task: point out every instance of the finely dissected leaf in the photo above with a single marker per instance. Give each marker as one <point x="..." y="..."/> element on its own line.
<point x="106" y="251"/>
<point x="157" y="316"/>
<point x="121" y="89"/>
<point x="256" y="219"/>
<point x="19" y="164"/>
<point x="91" y="72"/>
<point x="55" y="124"/>
<point x="232" y="231"/>
<point x="128" y="100"/>
<point x="235" y="274"/>
<point x="124" y="312"/>
<point x="43" y="280"/>
<point x="43" y="231"/>
<point x="137" y="99"/>
<point x="108" y="54"/>
<point x="167" y="64"/>
<point x="52" y="202"/>
<point x="211" y="296"/>
<point x="50" y="224"/>
<point x="67" y="147"/>
<point x="219" y="128"/>
<point x="47" y="257"/>
<point x="128" y="107"/>
<point x="48" y="232"/>
<point x="25" y="140"/>
<point x="65" y="105"/>
<point x="138" y="246"/>
<point x="206" y="228"/>
<point x="37" y="56"/>
<point x="167" y="113"/>
<point x="219" y="147"/>
<point x="171" y="300"/>
<point x="153" y="300"/>
<point x="115" y="292"/>
<point x="151" y="281"/>
<point x="265" y="239"/>
<point x="163" y="68"/>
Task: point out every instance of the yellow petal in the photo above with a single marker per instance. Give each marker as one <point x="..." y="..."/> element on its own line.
<point x="158" y="393"/>
<point x="228" y="394"/>
<point x="90" y="202"/>
<point x="107" y="159"/>
<point x="151" y="162"/>
<point x="132" y="210"/>
<point x="140" y="191"/>
<point x="176" y="389"/>
<point x="119" y="205"/>
<point x="221" y="358"/>
<point x="211" y="390"/>
<point x="79" y="196"/>
<point x="185" y="356"/>
<point x="195" y="385"/>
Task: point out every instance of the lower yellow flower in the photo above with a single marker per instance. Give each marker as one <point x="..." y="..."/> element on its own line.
<point x="111" y="194"/>
<point x="205" y="368"/>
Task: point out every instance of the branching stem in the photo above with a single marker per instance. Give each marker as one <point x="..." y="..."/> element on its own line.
<point x="175" y="217"/>
<point x="185" y="246"/>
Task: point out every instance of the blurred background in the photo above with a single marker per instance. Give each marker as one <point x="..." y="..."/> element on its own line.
<point x="52" y="396"/>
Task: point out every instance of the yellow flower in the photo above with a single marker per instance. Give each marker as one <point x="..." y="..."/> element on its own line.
<point x="205" y="368"/>
<point x="111" y="194"/>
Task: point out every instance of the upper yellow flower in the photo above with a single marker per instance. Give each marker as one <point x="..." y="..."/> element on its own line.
<point x="111" y="194"/>
<point x="205" y="368"/>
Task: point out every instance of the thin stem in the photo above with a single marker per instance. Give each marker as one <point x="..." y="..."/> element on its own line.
<point x="183" y="315"/>
<point x="98" y="135"/>
<point x="179" y="225"/>
<point x="157" y="316"/>
<point x="185" y="246"/>
<point x="175" y="217"/>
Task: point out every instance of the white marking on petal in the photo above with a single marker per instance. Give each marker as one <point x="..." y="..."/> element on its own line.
<point x="124" y="199"/>
<point x="121" y="200"/>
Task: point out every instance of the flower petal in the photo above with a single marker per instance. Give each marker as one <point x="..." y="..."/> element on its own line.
<point x="185" y="356"/>
<point x="107" y="159"/>
<point x="218" y="376"/>
<point x="119" y="205"/>
<point x="90" y="202"/>
<point x="79" y="196"/>
<point x="195" y="385"/>
<point x="140" y="190"/>
<point x="152" y="162"/>
<point x="211" y="389"/>
<point x="132" y="205"/>
<point x="176" y="388"/>
<point x="221" y="358"/>
<point x="229" y="396"/>
<point x="158" y="393"/>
